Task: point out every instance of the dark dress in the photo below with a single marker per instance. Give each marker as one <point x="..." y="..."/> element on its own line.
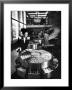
<point x="22" y="44"/>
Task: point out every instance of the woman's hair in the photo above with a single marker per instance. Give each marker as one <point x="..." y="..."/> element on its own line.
<point x="23" y="30"/>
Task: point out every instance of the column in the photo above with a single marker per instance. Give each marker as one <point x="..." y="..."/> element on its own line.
<point x="24" y="19"/>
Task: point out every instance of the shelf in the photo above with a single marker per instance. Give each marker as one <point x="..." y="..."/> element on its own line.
<point x="38" y="26"/>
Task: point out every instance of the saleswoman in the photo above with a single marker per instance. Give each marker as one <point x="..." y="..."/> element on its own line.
<point x="24" y="39"/>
